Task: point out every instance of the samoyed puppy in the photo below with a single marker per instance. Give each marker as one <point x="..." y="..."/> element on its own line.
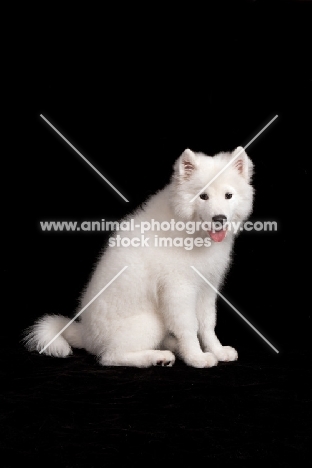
<point x="163" y="304"/>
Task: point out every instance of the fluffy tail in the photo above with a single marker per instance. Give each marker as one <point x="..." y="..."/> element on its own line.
<point x="45" y="330"/>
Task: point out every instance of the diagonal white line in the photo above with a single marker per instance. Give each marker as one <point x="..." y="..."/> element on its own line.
<point x="233" y="159"/>
<point x="234" y="308"/>
<point x="85" y="159"/>
<point x="83" y="309"/>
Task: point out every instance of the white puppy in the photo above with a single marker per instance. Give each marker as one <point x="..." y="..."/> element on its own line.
<point x="159" y="306"/>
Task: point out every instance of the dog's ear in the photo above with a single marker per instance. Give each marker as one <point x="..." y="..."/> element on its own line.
<point x="242" y="163"/>
<point x="186" y="164"/>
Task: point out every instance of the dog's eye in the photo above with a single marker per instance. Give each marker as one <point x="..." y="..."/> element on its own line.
<point x="228" y="195"/>
<point x="203" y="196"/>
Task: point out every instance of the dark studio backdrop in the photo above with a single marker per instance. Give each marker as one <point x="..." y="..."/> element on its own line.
<point x="131" y="107"/>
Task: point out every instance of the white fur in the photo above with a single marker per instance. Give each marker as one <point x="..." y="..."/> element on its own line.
<point x="159" y="306"/>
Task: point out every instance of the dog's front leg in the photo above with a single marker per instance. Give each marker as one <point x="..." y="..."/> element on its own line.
<point x="179" y="309"/>
<point x="206" y="314"/>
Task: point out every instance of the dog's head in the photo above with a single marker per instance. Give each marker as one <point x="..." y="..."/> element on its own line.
<point x="215" y="190"/>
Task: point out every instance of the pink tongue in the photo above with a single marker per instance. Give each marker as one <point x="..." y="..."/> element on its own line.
<point x="217" y="236"/>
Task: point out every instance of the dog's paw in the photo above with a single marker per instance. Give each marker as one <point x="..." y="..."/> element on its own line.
<point x="164" y="359"/>
<point x="226" y="353"/>
<point x="202" y="360"/>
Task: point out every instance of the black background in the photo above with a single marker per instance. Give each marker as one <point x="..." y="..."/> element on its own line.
<point x="131" y="95"/>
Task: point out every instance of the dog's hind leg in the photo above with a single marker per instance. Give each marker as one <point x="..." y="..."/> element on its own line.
<point x="146" y="358"/>
<point x="136" y="343"/>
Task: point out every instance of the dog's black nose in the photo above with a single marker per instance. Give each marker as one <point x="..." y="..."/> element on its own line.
<point x="219" y="219"/>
